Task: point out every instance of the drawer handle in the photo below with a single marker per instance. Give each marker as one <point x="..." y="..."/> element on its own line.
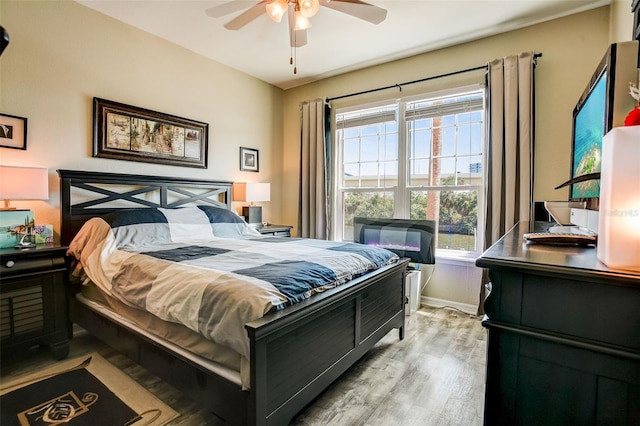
<point x="10" y="263"/>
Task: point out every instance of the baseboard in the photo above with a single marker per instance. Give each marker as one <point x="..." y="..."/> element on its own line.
<point x="441" y="303"/>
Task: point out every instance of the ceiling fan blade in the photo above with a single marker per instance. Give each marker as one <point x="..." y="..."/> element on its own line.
<point x="297" y="38"/>
<point x="227" y="8"/>
<point x="245" y="17"/>
<point x="357" y="9"/>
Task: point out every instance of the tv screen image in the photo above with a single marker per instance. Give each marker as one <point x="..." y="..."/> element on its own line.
<point x="589" y="131"/>
<point x="603" y="105"/>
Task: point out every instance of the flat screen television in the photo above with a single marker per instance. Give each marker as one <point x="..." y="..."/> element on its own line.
<point x="603" y="105"/>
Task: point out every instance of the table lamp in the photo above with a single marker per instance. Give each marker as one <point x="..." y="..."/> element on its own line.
<point x="252" y="192"/>
<point x="619" y="218"/>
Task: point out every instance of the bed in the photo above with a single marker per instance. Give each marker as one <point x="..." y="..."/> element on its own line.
<point x="295" y="351"/>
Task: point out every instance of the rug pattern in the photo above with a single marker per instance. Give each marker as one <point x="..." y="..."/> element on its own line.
<point x="86" y="392"/>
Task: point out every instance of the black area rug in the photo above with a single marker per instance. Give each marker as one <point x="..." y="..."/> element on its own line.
<point x="72" y="397"/>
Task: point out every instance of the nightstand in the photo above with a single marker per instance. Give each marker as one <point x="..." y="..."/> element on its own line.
<point x="276" y="230"/>
<point x="33" y="305"/>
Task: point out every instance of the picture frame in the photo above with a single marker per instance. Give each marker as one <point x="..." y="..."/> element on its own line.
<point x="125" y="132"/>
<point x="249" y="160"/>
<point x="13" y="131"/>
<point x="14" y="226"/>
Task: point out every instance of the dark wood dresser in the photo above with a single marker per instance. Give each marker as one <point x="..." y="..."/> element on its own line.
<point x="33" y="304"/>
<point x="563" y="336"/>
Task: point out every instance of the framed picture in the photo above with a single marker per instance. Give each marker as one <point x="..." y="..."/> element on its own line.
<point x="14" y="225"/>
<point x="249" y="159"/>
<point x="13" y="131"/>
<point x="124" y="132"/>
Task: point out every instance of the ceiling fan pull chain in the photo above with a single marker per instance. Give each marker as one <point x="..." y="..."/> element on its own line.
<point x="294" y="50"/>
<point x="295" y="60"/>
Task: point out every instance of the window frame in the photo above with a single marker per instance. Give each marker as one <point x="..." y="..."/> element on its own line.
<point x="403" y="189"/>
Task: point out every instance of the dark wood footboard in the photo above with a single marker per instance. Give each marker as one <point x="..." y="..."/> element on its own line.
<point x="297" y="355"/>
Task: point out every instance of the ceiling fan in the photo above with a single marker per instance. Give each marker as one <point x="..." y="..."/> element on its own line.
<point x="298" y="13"/>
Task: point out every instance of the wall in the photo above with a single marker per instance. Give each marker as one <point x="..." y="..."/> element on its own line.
<point x="620" y="21"/>
<point x="62" y="54"/>
<point x="571" y="47"/>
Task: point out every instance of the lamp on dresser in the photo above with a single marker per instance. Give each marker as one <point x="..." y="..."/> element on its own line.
<point x="619" y="227"/>
<point x="252" y="192"/>
<point x="20" y="183"/>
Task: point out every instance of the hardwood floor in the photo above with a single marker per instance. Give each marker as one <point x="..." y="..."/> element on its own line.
<point x="435" y="376"/>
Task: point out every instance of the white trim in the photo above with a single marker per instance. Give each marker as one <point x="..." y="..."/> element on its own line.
<point x="442" y="303"/>
<point x="443" y="93"/>
<point x="465" y="259"/>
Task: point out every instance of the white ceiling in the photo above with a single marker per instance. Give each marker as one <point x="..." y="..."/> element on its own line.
<point x="337" y="42"/>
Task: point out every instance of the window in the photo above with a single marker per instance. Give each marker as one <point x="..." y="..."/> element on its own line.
<point x="419" y="158"/>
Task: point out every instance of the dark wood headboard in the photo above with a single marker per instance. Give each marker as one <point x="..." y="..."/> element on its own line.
<point x="89" y="194"/>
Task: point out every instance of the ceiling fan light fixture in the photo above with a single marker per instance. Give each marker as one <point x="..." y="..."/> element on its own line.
<point x="298" y="13"/>
<point x="309" y="8"/>
<point x="301" y="21"/>
<point x="276" y="9"/>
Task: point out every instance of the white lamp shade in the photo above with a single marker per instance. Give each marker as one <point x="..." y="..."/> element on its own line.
<point x="24" y="183"/>
<point x="276" y="9"/>
<point x="301" y="22"/>
<point x="251" y="191"/>
<point x="309" y="8"/>
<point x="619" y="216"/>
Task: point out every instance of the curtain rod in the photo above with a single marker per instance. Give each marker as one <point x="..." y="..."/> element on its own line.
<point x="399" y="85"/>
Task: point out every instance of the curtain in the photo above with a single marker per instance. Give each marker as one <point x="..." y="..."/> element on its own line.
<point x="315" y="156"/>
<point x="509" y="161"/>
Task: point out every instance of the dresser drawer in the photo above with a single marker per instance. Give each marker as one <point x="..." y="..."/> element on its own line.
<point x="282" y="234"/>
<point x="276" y="230"/>
<point x="17" y="265"/>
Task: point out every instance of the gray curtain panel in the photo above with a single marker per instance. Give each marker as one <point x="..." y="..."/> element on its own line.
<point x="509" y="171"/>
<point x="313" y="206"/>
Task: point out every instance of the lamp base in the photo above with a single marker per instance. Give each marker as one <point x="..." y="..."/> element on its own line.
<point x="252" y="214"/>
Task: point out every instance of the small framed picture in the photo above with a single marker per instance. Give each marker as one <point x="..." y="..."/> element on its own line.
<point x="13" y="132"/>
<point x="249" y="159"/>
